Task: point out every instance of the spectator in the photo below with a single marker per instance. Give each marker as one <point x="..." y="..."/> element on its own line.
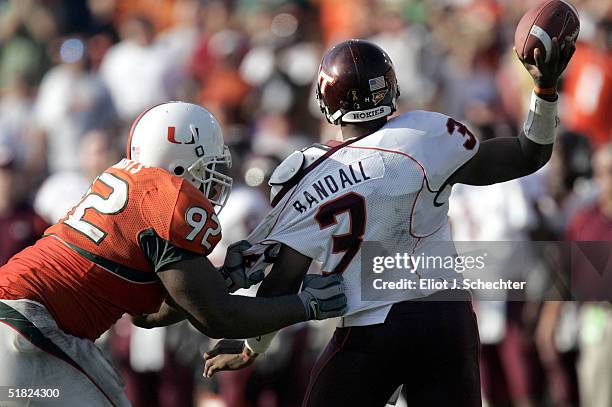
<point x="557" y="193"/>
<point x="594" y="223"/>
<point x="26" y="28"/>
<point x="588" y="86"/>
<point x="71" y="101"/>
<point x="254" y="65"/>
<point x="16" y="110"/>
<point x="134" y="69"/>
<point x="19" y="224"/>
<point x="64" y="189"/>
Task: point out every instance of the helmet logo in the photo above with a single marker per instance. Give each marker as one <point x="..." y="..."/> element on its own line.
<point x="377" y="83"/>
<point x="378" y="96"/>
<point x="324" y="80"/>
<point x="173" y="140"/>
<point x="354" y="95"/>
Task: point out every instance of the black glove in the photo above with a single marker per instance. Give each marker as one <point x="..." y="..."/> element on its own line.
<point x="234" y="270"/>
<point x="323" y="296"/>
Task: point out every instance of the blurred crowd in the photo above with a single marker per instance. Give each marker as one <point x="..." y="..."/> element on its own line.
<point x="74" y="74"/>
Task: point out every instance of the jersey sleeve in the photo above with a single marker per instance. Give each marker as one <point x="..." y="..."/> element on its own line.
<point x="182" y="216"/>
<point x="442" y="144"/>
<point x="160" y="252"/>
<point x="455" y="146"/>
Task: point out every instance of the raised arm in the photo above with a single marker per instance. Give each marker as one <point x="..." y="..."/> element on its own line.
<point x="503" y="159"/>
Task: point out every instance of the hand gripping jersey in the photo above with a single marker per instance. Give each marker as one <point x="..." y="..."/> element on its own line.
<point x="387" y="187"/>
<point x="100" y="261"/>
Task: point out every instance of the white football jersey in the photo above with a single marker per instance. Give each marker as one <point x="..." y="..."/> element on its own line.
<point x="384" y="187"/>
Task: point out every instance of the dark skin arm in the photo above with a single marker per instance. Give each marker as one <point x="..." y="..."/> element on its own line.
<point x="167" y="315"/>
<point x="503" y="159"/>
<point x="199" y="292"/>
<point x="285" y="278"/>
<point x="286" y="275"/>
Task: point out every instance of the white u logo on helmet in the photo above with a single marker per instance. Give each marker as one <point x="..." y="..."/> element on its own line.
<point x="184" y="139"/>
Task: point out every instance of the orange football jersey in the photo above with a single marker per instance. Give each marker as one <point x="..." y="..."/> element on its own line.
<point x="100" y="261"/>
<point x="129" y="199"/>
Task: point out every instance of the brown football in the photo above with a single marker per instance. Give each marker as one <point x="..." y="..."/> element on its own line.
<point x="537" y="28"/>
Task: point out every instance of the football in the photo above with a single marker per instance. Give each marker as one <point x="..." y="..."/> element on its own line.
<point x="537" y="28"/>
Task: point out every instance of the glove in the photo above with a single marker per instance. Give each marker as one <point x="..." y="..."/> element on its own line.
<point x="234" y="270"/>
<point x="323" y="296"/>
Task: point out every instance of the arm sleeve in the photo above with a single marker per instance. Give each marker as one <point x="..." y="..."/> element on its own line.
<point x="161" y="252"/>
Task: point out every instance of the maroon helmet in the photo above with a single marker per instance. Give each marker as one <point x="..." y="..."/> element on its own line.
<point x="356" y="83"/>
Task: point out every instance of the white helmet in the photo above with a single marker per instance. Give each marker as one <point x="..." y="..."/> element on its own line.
<point x="186" y="140"/>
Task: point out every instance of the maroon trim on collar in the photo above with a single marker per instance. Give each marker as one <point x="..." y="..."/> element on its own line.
<point x="300" y="175"/>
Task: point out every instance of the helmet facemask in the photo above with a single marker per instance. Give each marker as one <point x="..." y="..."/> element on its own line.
<point x="215" y="185"/>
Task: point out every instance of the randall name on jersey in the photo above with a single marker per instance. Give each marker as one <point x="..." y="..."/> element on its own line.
<point x="344" y="177"/>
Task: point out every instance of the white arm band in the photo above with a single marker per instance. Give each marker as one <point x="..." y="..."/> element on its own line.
<point x="260" y="344"/>
<point x="542" y="120"/>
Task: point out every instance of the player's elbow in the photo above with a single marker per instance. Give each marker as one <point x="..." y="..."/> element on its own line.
<point x="534" y="157"/>
<point x="220" y="326"/>
<point x="214" y="332"/>
<point x="539" y="160"/>
<point x="210" y="325"/>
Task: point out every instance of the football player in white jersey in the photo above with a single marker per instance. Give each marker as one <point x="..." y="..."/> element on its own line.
<point x="388" y="182"/>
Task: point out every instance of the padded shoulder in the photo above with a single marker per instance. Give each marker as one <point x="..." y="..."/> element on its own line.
<point x="287" y="169"/>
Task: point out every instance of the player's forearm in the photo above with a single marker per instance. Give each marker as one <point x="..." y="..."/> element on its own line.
<point x="167" y="315"/>
<point x="505" y="158"/>
<point x="277" y="283"/>
<point x="533" y="156"/>
<point x="243" y="317"/>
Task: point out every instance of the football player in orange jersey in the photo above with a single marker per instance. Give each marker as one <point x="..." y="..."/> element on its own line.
<point x="137" y="243"/>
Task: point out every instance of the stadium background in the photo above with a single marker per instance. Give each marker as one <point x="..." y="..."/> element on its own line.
<point x="75" y="73"/>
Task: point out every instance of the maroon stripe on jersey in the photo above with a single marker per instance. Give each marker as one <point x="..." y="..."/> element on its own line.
<point x="296" y="179"/>
<point x="332" y="143"/>
<point x="424" y="183"/>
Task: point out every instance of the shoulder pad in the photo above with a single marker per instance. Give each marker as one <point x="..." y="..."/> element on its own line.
<point x="312" y="153"/>
<point x="287" y="169"/>
<point x="298" y="160"/>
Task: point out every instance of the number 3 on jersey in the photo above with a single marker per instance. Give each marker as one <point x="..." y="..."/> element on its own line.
<point x="196" y="217"/>
<point x="349" y="243"/>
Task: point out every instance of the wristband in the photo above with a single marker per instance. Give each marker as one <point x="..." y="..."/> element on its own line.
<point x="261" y="343"/>
<point x="544" y="91"/>
<point x="540" y="126"/>
<point x="248" y="353"/>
